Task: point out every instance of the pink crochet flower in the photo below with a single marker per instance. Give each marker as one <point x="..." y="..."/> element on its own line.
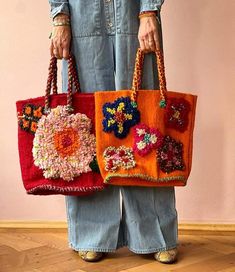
<point x="146" y="139"/>
<point x="63" y="146"/>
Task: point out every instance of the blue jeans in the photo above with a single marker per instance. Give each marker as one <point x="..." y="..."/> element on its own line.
<point x="145" y="221"/>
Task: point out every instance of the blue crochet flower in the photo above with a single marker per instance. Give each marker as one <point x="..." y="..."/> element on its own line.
<point x="120" y="116"/>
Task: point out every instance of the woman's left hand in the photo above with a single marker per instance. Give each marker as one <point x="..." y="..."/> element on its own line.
<point x="148" y="34"/>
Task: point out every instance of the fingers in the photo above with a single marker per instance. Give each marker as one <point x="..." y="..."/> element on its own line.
<point x="156" y="40"/>
<point x="142" y="44"/>
<point x="58" y="51"/>
<point x="66" y="53"/>
<point x="148" y="44"/>
<point x="66" y="50"/>
<point x="151" y="42"/>
<point x="148" y="35"/>
<point x="60" y="43"/>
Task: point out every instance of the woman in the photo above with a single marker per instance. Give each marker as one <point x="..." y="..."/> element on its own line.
<point x="105" y="36"/>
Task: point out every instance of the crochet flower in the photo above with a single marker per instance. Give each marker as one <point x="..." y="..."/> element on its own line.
<point x="121" y="157"/>
<point x="63" y="146"/>
<point x="170" y="155"/>
<point x="30" y="116"/>
<point x="146" y="139"/>
<point x="120" y="116"/>
<point x="176" y="114"/>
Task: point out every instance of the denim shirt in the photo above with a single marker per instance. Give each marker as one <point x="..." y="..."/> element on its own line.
<point x="93" y="17"/>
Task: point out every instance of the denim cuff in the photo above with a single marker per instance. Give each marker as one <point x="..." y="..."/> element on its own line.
<point x="149" y="5"/>
<point x="59" y="6"/>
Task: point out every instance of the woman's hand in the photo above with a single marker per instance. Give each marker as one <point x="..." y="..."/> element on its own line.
<point x="148" y="34"/>
<point x="60" y="39"/>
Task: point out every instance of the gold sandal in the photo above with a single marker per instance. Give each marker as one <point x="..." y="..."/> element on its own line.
<point x="167" y="256"/>
<point x="90" y="256"/>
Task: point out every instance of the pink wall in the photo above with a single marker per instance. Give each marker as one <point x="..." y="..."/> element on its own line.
<point x="198" y="40"/>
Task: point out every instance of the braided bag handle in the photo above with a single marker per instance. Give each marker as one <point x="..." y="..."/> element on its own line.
<point x="136" y="83"/>
<point x="52" y="82"/>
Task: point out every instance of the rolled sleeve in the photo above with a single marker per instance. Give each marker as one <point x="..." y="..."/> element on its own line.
<point x="59" y="6"/>
<point x="148" y="5"/>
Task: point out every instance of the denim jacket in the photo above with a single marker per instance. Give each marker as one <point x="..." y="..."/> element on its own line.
<point x="92" y="17"/>
<point x="105" y="40"/>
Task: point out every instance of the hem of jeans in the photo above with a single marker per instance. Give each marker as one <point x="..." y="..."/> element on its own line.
<point x="95" y="249"/>
<point x="153" y="250"/>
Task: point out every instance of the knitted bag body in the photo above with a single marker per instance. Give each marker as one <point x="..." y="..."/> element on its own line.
<point x="56" y="140"/>
<point x="145" y="137"/>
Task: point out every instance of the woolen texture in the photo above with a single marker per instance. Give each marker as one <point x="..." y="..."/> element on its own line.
<point x="33" y="179"/>
<point x="147" y="171"/>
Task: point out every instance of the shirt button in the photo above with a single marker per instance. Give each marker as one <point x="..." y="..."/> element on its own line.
<point x="110" y="24"/>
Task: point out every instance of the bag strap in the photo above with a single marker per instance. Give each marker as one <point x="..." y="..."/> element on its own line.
<point x="52" y="82"/>
<point x="137" y="77"/>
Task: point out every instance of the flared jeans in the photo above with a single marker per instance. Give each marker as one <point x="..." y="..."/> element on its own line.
<point x="143" y="219"/>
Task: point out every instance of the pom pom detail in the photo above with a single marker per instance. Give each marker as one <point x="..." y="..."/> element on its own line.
<point x="63" y="146"/>
<point x="121" y="157"/>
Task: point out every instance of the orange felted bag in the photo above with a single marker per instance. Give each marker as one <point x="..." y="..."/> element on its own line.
<point x="145" y="137"/>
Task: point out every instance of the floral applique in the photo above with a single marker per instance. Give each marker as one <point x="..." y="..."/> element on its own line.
<point x="146" y="139"/>
<point x="121" y="157"/>
<point x="176" y="114"/>
<point x="170" y="155"/>
<point x="120" y="116"/>
<point x="63" y="146"/>
<point x="30" y="116"/>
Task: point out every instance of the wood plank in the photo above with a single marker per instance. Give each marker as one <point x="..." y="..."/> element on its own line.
<point x="14" y="240"/>
<point x="44" y="250"/>
<point x="231" y="269"/>
<point x="186" y="257"/>
<point x="120" y="260"/>
<point x="52" y="240"/>
<point x="210" y="265"/>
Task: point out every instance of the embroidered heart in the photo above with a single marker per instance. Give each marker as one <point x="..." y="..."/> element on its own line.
<point x="121" y="157"/>
<point x="146" y="139"/>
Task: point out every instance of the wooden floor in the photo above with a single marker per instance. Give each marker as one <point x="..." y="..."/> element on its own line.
<point x="47" y="251"/>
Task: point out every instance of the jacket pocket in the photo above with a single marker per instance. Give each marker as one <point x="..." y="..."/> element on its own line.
<point x="85" y="17"/>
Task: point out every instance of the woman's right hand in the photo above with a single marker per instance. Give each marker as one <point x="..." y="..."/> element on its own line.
<point x="60" y="39"/>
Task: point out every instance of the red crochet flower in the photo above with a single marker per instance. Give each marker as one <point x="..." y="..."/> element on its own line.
<point x="170" y="155"/>
<point x="146" y="139"/>
<point x="176" y="114"/>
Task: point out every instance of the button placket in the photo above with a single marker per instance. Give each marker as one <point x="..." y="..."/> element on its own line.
<point x="109" y="16"/>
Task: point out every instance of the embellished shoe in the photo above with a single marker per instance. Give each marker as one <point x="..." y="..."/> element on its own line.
<point x="167" y="256"/>
<point x="90" y="256"/>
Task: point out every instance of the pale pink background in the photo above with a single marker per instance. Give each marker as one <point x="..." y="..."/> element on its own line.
<point x="199" y="45"/>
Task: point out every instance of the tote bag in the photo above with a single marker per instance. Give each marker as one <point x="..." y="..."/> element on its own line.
<point x="56" y="140"/>
<point x="145" y="137"/>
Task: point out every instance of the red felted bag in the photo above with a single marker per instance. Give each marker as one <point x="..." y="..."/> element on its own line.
<point x="56" y="139"/>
